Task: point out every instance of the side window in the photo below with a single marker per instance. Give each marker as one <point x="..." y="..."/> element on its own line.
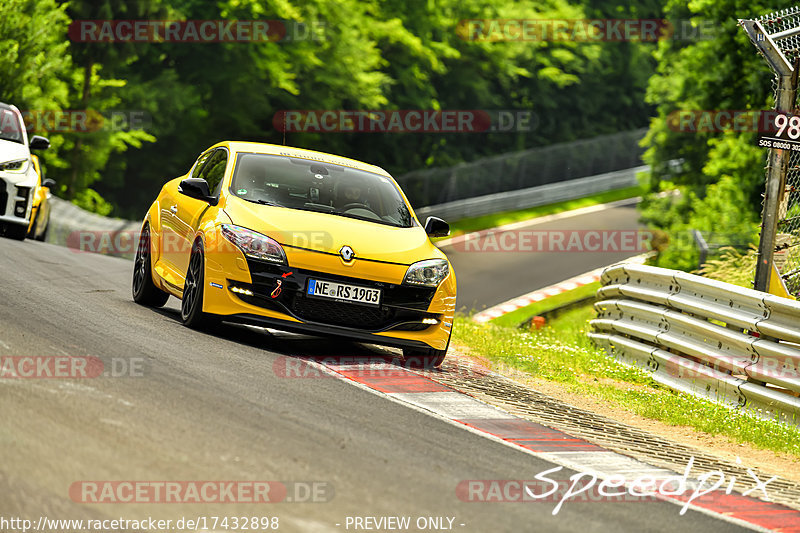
<point x="199" y="166"/>
<point x="214" y="170"/>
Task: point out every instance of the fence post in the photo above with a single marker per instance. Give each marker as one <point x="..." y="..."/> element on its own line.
<point x="785" y="98"/>
<point x="773" y="194"/>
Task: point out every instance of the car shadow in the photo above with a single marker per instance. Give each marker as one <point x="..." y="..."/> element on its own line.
<point x="301" y="346"/>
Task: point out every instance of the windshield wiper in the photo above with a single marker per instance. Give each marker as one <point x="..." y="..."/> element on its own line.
<point x="266" y="202"/>
<point x="367" y="219"/>
<point x="321" y="208"/>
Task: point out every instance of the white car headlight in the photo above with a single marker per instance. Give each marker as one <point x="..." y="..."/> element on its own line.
<point x="254" y="244"/>
<point x="429" y="273"/>
<point x="17" y="165"/>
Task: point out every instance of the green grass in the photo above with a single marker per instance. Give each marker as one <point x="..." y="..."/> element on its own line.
<point x="467" y="225"/>
<point x="562" y="353"/>
<point x="519" y="316"/>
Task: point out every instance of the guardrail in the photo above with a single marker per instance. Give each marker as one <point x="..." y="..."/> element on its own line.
<point x="533" y="196"/>
<point x="533" y="167"/>
<point x="72" y="226"/>
<point x="732" y="345"/>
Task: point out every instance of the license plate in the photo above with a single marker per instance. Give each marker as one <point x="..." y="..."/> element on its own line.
<point x="343" y="292"/>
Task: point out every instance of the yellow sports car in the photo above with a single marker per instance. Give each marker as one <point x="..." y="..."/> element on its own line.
<point x="40" y="206"/>
<point x="298" y="240"/>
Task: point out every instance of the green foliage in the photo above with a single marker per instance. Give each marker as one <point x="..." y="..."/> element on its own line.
<point x="33" y="54"/>
<point x="35" y="63"/>
<point x="562" y="353"/>
<point x="721" y="73"/>
<point x="89" y="200"/>
<point x="719" y="215"/>
<point x="362" y="55"/>
<point x="732" y="267"/>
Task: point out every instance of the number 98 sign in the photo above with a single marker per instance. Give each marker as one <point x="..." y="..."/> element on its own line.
<point x="780" y="131"/>
<point x="788" y="125"/>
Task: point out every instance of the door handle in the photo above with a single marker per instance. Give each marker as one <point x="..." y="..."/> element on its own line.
<point x="174" y="209"/>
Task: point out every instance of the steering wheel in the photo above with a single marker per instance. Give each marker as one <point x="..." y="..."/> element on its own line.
<point x="357" y="205"/>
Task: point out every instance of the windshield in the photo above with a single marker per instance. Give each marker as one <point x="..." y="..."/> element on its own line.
<point x="323" y="187"/>
<point x="10" y="126"/>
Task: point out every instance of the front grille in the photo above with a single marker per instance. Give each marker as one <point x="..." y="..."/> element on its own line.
<point x="399" y="296"/>
<point x="21" y="205"/>
<point x="3" y="198"/>
<point x="341" y="314"/>
<point x="412" y="326"/>
<point x="402" y="308"/>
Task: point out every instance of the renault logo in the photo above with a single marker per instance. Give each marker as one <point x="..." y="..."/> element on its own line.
<point x="347" y="253"/>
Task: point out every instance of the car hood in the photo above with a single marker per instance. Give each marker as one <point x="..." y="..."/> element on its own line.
<point x="325" y="233"/>
<point x="11" y="151"/>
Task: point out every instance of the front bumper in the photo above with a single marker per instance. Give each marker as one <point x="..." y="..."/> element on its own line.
<point x="16" y="199"/>
<point x="245" y="290"/>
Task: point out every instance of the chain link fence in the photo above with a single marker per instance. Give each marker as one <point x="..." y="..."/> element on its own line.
<point x="787" y="241"/>
<point x="521" y="170"/>
<point x="777" y="38"/>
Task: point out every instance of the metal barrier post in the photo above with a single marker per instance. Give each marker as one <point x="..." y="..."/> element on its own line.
<point x="785" y="98"/>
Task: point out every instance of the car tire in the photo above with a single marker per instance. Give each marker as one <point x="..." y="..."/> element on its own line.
<point x="15" y="231"/>
<point x="192" y="314"/>
<point x="425" y="357"/>
<point x="144" y="290"/>
<point x="43" y="236"/>
<point x="32" y="232"/>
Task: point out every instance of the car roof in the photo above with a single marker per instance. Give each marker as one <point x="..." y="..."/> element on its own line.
<point x="301" y="153"/>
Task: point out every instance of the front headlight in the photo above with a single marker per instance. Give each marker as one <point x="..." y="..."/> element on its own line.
<point x="429" y="273"/>
<point x="17" y="165"/>
<point x="253" y="244"/>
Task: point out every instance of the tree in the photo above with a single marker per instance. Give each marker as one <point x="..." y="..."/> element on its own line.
<point x="35" y="64"/>
<point x="719" y="73"/>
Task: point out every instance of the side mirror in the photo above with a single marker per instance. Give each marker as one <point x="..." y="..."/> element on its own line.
<point x="197" y="188"/>
<point x="37" y="142"/>
<point x="436" y="227"/>
<point x="49" y="183"/>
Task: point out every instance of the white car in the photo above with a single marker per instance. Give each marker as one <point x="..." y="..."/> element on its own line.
<point x="18" y="177"/>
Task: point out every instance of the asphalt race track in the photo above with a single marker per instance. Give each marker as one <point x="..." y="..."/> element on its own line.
<point x="487" y="278"/>
<point x="210" y="407"/>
